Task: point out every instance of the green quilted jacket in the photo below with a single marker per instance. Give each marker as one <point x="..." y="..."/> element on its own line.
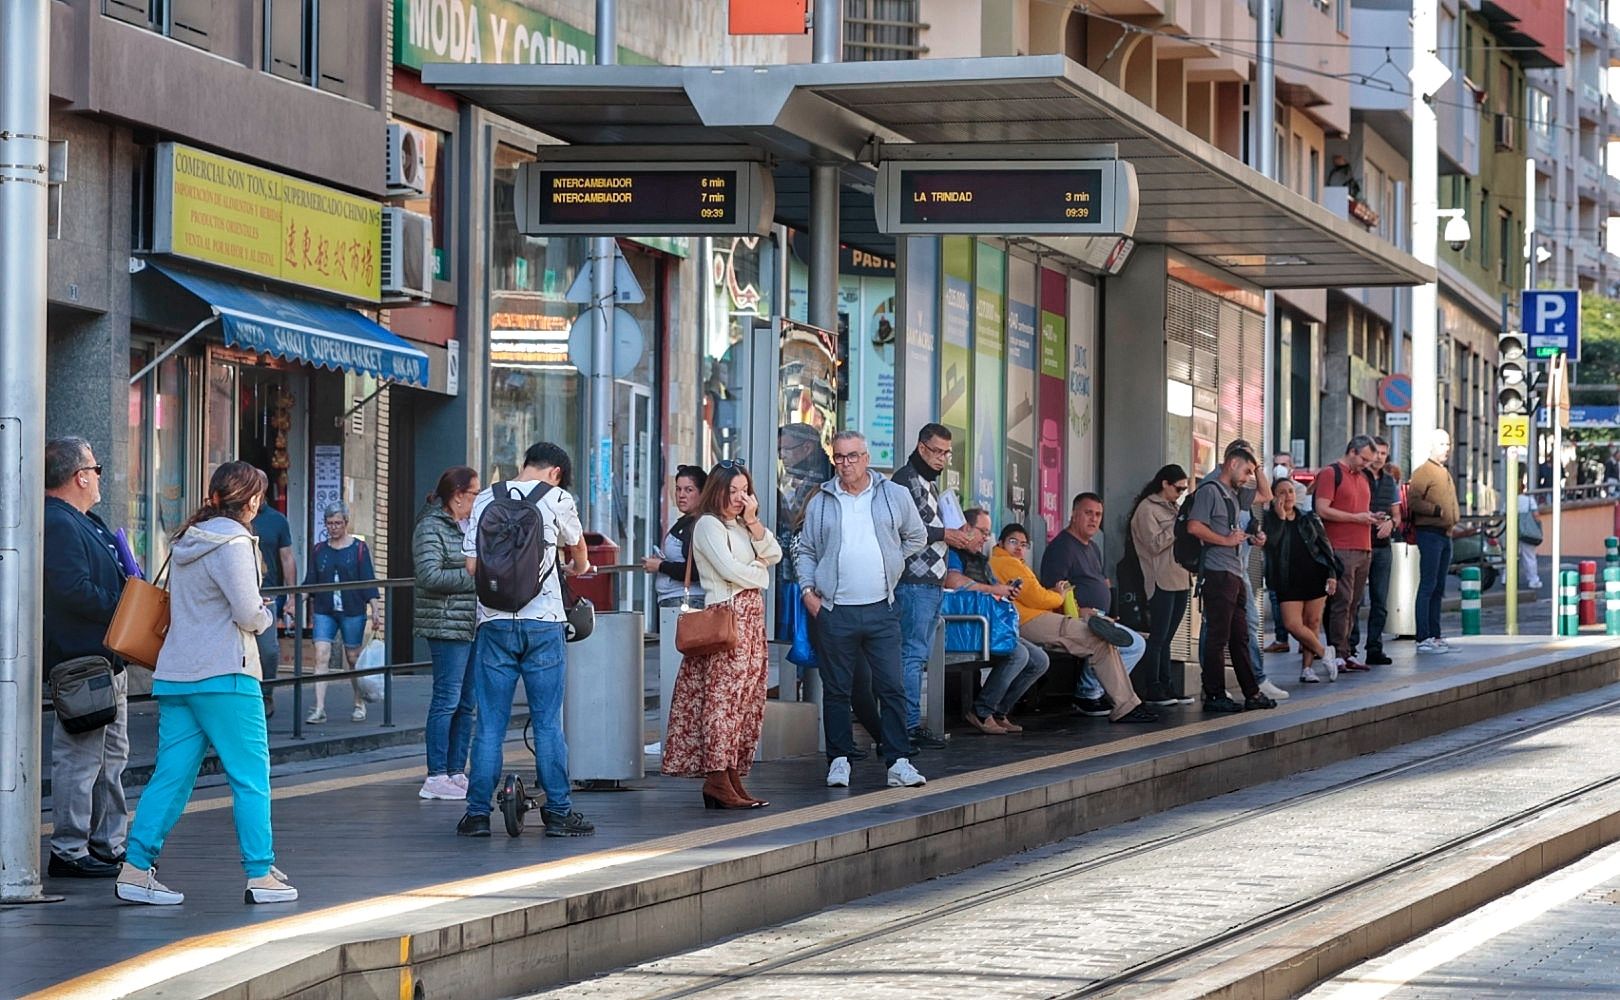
<point x="446" y="599"/>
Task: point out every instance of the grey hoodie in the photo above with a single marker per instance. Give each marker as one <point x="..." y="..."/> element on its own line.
<point x="214" y="605"/>
<point x="900" y="534"/>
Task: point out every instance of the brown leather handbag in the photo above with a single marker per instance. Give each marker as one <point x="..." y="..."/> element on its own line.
<point x="141" y="623"/>
<point x="705" y="631"/>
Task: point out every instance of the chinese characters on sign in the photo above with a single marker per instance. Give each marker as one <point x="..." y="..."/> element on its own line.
<point x="246" y="218"/>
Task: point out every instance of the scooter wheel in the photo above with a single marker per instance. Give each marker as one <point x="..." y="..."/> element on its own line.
<point x="514" y="803"/>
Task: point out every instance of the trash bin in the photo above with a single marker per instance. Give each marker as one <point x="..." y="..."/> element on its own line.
<point x="603" y="702"/>
<point x="1403" y="581"/>
<point x="598" y="587"/>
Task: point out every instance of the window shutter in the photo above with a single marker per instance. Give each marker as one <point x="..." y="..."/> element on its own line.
<point x="191" y="21"/>
<point x="333" y="52"/>
<point x="285" y="26"/>
<point x="133" y="11"/>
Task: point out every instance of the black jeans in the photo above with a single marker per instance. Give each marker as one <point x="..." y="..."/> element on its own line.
<point x="853" y="638"/>
<point x="1383" y="561"/>
<point x="1166" y="609"/>
<point x="1226" y="624"/>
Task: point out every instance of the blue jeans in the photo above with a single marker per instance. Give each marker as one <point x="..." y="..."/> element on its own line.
<point x="270" y="646"/>
<point x="187" y="724"/>
<point x="353" y="627"/>
<point x="1278" y="629"/>
<point x="1166" y="609"/>
<point x="1434" y="562"/>
<point x="852" y="639"/>
<point x="451" y="712"/>
<point x="918" y="604"/>
<point x="504" y="652"/>
<point x="1010" y="677"/>
<point x="1383" y="561"/>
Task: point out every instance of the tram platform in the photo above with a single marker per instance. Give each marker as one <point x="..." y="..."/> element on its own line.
<point x="393" y="904"/>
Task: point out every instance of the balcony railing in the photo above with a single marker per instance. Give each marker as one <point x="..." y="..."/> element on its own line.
<point x="1586" y="256"/>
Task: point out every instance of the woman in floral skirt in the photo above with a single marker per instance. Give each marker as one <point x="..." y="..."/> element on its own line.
<point x="718" y="706"/>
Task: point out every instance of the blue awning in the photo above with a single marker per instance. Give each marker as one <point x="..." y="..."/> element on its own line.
<point x="326" y="336"/>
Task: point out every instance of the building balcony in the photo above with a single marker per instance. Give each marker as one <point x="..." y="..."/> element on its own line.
<point x="1589" y="102"/>
<point x="1589" y="179"/>
<point x="1593" y="25"/>
<point x="1611" y="191"/>
<point x="1587" y="258"/>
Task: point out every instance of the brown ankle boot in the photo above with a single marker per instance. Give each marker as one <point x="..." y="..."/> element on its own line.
<point x="737" y="786"/>
<point x="718" y="793"/>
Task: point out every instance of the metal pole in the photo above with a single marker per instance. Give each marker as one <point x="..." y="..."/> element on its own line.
<point x="1511" y="520"/>
<point x="604" y="254"/>
<point x="1555" y="396"/>
<point x="1425" y="239"/>
<point x="824" y="190"/>
<point x="25" y="73"/>
<point x="1265" y="149"/>
<point x="1533" y="442"/>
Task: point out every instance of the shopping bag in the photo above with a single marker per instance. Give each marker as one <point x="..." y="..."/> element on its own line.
<point x="968" y="637"/>
<point x="1071" y="607"/>
<point x="794" y="621"/>
<point x="371" y="685"/>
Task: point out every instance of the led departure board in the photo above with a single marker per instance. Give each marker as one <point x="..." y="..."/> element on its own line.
<point x="1007" y="198"/>
<point x="644" y="199"/>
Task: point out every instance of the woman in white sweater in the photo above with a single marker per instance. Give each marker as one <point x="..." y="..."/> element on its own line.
<point x="718" y="706"/>
<point x="207" y="690"/>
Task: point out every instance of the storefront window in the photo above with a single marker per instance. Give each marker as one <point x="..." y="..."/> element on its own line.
<point x="162" y="480"/>
<point x="535" y="394"/>
<point x="739" y="296"/>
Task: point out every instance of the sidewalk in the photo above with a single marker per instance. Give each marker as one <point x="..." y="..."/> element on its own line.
<point x="376" y="866"/>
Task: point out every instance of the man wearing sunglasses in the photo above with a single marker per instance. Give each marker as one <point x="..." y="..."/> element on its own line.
<point x="858" y="531"/>
<point x="83" y="580"/>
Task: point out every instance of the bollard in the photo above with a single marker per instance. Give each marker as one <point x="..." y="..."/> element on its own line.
<point x="1588" y="594"/>
<point x="1611" y="549"/>
<point x="1568" y="616"/>
<point x="1611" y="600"/>
<point x="1470" y="600"/>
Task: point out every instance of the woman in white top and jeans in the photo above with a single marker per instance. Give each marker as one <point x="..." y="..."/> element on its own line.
<point x="669" y="565"/>
<point x="718" y="707"/>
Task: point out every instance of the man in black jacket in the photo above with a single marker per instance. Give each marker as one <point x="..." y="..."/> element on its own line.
<point x="83" y="579"/>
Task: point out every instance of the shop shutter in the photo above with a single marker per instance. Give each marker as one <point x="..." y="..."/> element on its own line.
<point x="1178" y="326"/>
<point x="191" y="21"/>
<point x="333" y="54"/>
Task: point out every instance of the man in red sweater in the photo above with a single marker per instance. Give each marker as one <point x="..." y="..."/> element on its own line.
<point x="1344" y="503"/>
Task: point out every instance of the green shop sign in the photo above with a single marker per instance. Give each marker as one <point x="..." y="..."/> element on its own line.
<point x="489" y="31"/>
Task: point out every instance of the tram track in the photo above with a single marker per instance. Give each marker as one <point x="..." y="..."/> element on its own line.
<point x="1136" y="974"/>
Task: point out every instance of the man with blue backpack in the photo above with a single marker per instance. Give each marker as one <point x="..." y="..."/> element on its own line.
<point x="520" y="531"/>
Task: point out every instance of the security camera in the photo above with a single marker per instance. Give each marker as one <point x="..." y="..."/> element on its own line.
<point x="1457" y="232"/>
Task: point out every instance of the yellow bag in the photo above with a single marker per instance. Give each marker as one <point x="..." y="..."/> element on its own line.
<point x="1071" y="607"/>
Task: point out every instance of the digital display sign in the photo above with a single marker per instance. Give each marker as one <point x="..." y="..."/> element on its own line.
<point x="1007" y="198"/>
<point x="644" y="199"/>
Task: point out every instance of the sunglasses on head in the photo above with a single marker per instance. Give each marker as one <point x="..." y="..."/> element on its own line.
<point x="731" y="464"/>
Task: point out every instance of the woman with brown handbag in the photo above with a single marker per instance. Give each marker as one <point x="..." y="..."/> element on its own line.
<point x="718" y="706"/>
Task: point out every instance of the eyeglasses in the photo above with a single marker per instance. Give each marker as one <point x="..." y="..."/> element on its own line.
<point x="1180" y="487"/>
<point x="731" y="464"/>
<point x="88" y="468"/>
<point x="845" y="457"/>
<point x="1015" y="543"/>
<point x="941" y="452"/>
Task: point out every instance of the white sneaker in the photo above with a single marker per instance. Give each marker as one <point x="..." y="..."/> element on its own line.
<point x="1307" y="676"/>
<point x="137" y="886"/>
<point x="1330" y="662"/>
<point x="903" y="775"/>
<point x="271" y="888"/>
<point x="359" y="713"/>
<point x="439" y="786"/>
<point x="460" y="780"/>
<point x="838" y="773"/>
<point x="1272" y="691"/>
<point x="1430" y="646"/>
<point x="1445" y="647"/>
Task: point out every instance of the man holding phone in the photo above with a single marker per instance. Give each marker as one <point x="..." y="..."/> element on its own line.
<point x="1344" y="493"/>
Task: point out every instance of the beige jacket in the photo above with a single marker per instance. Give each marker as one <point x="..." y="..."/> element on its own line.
<point x="729" y="561"/>
<point x="1153" y="529"/>
<point x="1431" y="497"/>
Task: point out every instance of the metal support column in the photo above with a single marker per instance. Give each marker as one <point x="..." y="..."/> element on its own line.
<point x="1426" y="81"/>
<point x="1265" y="159"/>
<point x="824" y="191"/>
<point x="25" y="72"/>
<point x="604" y="251"/>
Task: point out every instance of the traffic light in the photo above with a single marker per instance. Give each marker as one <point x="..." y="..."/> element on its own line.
<point x="1513" y="391"/>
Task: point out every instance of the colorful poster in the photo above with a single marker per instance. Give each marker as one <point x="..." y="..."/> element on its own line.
<point x="866" y="324"/>
<point x="922" y="329"/>
<point x="1017" y="496"/>
<point x="956" y="355"/>
<point x="989" y="348"/>
<point x="1051" y="405"/>
<point x="1082" y="395"/>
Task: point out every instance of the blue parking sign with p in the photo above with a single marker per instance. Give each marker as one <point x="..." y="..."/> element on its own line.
<point x="1552" y="322"/>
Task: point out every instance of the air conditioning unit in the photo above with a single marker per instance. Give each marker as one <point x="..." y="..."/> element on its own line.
<point x="1506" y="131"/>
<point x="407" y="160"/>
<point x="407" y="254"/>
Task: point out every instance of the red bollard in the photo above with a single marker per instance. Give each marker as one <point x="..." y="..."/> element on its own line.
<point x="1588" y="597"/>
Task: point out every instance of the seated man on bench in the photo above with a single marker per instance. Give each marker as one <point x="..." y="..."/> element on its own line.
<point x="1010" y="675"/>
<point x="1040" y="622"/>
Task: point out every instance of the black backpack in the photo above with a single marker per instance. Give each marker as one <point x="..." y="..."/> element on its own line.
<point x="1132" y="603"/>
<point x="1187" y="550"/>
<point x="512" y="547"/>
